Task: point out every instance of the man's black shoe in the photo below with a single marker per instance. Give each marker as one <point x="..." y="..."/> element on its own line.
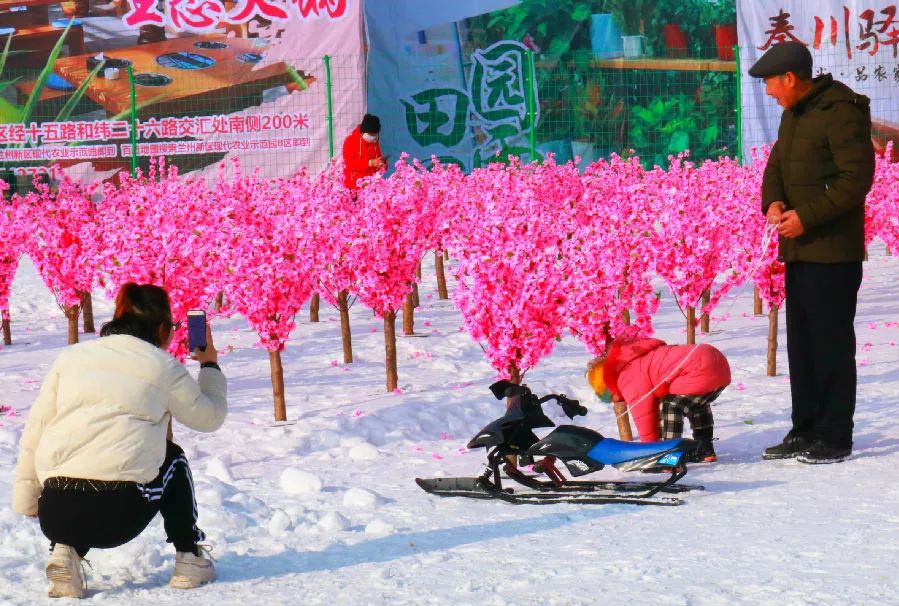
<point x="821" y="453"/>
<point x="792" y="446"/>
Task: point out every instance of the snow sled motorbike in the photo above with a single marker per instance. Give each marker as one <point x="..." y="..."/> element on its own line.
<point x="513" y="449"/>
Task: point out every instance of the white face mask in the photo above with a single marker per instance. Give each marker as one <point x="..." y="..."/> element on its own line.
<point x="369" y="138"/>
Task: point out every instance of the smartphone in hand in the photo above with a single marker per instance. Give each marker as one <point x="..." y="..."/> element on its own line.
<point x="196" y="329"/>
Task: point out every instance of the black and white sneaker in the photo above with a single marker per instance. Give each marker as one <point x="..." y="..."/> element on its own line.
<point x="792" y="446"/>
<point x="821" y="454"/>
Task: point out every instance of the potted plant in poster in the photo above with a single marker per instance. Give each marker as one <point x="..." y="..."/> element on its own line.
<point x="722" y="14"/>
<point x="630" y="15"/>
<point x="605" y="36"/>
<point x="672" y="18"/>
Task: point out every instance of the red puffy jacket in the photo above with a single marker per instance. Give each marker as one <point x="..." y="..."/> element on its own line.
<point x="650" y="369"/>
<point x="357" y="153"/>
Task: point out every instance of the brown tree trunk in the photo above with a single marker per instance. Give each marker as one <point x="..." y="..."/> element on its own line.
<point x="219" y="300"/>
<point x="772" y="341"/>
<point x="441" y="277"/>
<point x="390" y="350"/>
<point x="314" y="304"/>
<point x="626" y="317"/>
<point x="274" y="360"/>
<point x="343" y="306"/>
<point x="446" y="255"/>
<point x="416" y="302"/>
<point x="756" y="302"/>
<point x="7" y="332"/>
<point x="72" y="316"/>
<point x="624" y="421"/>
<point x="409" y="315"/>
<point x="691" y="325"/>
<point x="87" y="312"/>
<point x="704" y="319"/>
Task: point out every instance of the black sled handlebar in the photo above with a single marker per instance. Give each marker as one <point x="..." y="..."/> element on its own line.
<point x="507" y="389"/>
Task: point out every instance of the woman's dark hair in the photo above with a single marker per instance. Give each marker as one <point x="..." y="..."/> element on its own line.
<point x="140" y="309"/>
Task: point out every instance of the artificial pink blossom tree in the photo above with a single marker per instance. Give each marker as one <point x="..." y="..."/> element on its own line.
<point x="267" y="253"/>
<point x="882" y="203"/>
<point x="700" y="213"/>
<point x="397" y="228"/>
<point x="14" y="241"/>
<point x="511" y="278"/>
<point x="609" y="256"/>
<point x="163" y="229"/>
<point x="65" y="243"/>
<point x="336" y="211"/>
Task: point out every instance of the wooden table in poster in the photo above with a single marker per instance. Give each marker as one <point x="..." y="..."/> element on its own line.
<point x="228" y="85"/>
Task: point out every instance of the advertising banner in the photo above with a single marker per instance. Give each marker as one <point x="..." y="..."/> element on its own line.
<point x="853" y="40"/>
<point x="472" y="82"/>
<point x="213" y="79"/>
<point x="437" y="96"/>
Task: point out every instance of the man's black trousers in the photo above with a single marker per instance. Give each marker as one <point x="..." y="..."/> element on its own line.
<point x="88" y="513"/>
<point x="821" y="301"/>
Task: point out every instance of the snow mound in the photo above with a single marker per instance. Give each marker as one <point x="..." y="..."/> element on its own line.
<point x="279" y="523"/>
<point x="363" y="452"/>
<point x="297" y="481"/>
<point x="218" y="469"/>
<point x="379" y="528"/>
<point x="360" y="498"/>
<point x="333" y="522"/>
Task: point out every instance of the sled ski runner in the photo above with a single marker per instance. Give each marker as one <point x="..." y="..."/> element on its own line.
<point x="511" y="445"/>
<point x="480" y="488"/>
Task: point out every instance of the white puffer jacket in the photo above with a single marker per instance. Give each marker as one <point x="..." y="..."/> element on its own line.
<point x="103" y="411"/>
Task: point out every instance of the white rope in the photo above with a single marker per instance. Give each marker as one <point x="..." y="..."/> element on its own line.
<point x="766" y="240"/>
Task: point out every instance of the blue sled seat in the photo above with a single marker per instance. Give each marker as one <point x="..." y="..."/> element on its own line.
<point x="611" y="452"/>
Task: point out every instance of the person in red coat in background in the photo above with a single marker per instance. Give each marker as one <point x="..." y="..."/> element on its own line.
<point x="681" y="380"/>
<point x="362" y="152"/>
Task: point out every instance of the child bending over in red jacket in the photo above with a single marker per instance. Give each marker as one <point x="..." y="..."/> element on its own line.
<point x="681" y="380"/>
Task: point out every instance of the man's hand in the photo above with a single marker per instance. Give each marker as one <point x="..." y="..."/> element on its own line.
<point x="790" y="225"/>
<point x="775" y="212"/>
<point x="377" y="163"/>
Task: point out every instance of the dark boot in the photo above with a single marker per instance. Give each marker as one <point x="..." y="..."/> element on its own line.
<point x="703" y="453"/>
<point x="792" y="446"/>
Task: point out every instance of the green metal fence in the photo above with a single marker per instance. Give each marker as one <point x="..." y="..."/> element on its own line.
<point x="575" y="104"/>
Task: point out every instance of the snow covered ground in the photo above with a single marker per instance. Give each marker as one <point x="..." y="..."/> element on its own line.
<point x="325" y="511"/>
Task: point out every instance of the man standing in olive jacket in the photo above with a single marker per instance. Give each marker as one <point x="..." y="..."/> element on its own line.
<point x="814" y="188"/>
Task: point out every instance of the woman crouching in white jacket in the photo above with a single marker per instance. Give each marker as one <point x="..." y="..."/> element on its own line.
<point x="94" y="463"/>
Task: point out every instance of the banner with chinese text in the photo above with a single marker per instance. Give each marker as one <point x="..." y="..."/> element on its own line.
<point x="213" y="80"/>
<point x="854" y="40"/>
<point x="433" y="94"/>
